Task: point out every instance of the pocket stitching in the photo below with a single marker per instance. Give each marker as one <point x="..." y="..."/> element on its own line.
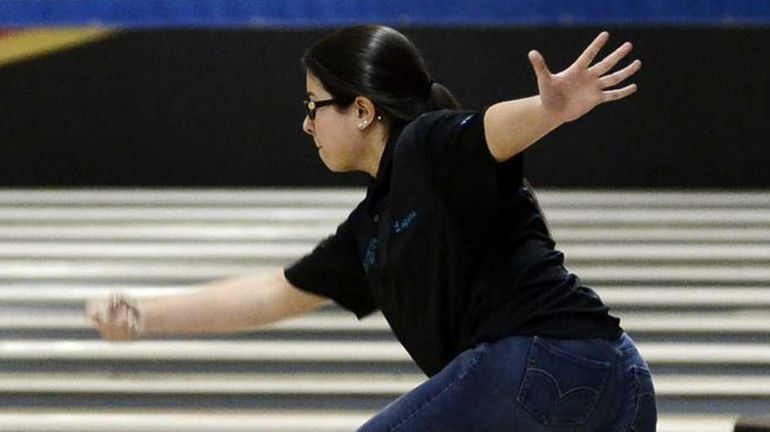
<point x="558" y="388"/>
<point x="566" y="356"/>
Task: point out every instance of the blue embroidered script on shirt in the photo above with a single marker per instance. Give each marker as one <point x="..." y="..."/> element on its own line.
<point x="370" y="257"/>
<point x="404" y="223"/>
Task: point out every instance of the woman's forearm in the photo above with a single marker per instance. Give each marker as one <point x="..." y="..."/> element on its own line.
<point x="512" y="126"/>
<point x="225" y="306"/>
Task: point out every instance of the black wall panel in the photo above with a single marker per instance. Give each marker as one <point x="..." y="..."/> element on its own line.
<point x="222" y="108"/>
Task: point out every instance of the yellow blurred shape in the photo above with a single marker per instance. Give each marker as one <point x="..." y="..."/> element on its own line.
<point x="32" y="43"/>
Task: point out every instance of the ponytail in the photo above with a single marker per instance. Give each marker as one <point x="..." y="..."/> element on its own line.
<point x="441" y="98"/>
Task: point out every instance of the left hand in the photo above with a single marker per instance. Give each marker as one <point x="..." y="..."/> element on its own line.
<point x="573" y="92"/>
<point x="117" y="318"/>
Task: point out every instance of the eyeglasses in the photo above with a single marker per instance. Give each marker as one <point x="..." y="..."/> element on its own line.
<point x="312" y="106"/>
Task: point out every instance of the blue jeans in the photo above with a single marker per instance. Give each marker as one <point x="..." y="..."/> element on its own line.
<point x="531" y="383"/>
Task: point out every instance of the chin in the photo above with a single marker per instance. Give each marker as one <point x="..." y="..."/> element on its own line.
<point x="331" y="166"/>
<point x="336" y="168"/>
<point x="337" y="165"/>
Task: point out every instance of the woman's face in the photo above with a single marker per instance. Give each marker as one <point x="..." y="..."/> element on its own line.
<point x="334" y="130"/>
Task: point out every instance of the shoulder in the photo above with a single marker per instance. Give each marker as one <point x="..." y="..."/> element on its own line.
<point x="443" y="121"/>
<point x="437" y="128"/>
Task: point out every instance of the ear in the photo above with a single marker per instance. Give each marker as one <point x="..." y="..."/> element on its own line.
<point x="365" y="112"/>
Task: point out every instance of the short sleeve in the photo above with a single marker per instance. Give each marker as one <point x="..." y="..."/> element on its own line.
<point x="462" y="169"/>
<point x="334" y="270"/>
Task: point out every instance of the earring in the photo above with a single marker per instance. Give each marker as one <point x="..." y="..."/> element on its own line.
<point x="379" y="117"/>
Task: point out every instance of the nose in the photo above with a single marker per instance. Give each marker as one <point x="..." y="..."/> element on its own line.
<point x="307" y="126"/>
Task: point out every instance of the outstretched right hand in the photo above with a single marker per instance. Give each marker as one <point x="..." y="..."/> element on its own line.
<point x="117" y="318"/>
<point x="573" y="92"/>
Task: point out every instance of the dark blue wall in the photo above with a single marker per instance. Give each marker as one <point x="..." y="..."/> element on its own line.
<point x="303" y="13"/>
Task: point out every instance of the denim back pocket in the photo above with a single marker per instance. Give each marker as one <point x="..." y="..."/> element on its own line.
<point x="561" y="388"/>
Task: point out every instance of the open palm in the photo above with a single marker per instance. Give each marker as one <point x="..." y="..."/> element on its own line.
<point x="576" y="90"/>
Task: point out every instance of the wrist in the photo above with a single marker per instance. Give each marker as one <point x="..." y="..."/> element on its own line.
<point x="137" y="321"/>
<point x="133" y="324"/>
<point x="552" y="118"/>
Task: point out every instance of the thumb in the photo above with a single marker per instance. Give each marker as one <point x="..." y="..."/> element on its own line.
<point x="92" y="311"/>
<point x="538" y="64"/>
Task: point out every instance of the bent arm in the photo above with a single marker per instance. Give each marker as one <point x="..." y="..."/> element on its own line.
<point x="512" y="126"/>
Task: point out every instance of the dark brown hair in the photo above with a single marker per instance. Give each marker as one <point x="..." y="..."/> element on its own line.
<point x="380" y="63"/>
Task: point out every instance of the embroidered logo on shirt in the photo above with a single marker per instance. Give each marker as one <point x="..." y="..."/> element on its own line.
<point x="404" y="223"/>
<point x="370" y="257"/>
<point x="465" y="120"/>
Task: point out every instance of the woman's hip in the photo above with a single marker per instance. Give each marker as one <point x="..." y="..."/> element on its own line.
<point x="530" y="382"/>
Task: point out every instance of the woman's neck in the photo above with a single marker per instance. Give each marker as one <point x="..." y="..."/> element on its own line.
<point x="378" y="140"/>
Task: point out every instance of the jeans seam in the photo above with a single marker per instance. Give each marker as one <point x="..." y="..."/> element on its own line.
<point x="468" y="371"/>
<point x="639" y="395"/>
<point x="621" y="388"/>
<point x="638" y="388"/>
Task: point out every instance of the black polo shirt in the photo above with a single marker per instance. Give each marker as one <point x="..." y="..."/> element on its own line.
<point x="453" y="248"/>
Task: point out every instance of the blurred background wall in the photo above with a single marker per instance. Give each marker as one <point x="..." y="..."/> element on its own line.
<point x="208" y="93"/>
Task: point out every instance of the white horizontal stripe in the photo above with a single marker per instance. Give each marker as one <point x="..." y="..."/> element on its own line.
<point x="173" y="214"/>
<point x="640" y="251"/>
<point x="582" y="216"/>
<point x="192" y="350"/>
<point x="307" y="384"/>
<point x="612" y="295"/>
<point x="170" y="232"/>
<point x="188" y="197"/>
<point x="672" y="323"/>
<point x="660" y="323"/>
<point x="292" y="251"/>
<point x="312" y="232"/>
<point x="75" y="420"/>
<point x="592" y="275"/>
<point x="651" y="198"/>
<point x="343" y="196"/>
<point x="712" y="385"/>
<point x="155" y="271"/>
<point x="227" y="421"/>
<point x="390" y="385"/>
<point x="655" y="234"/>
<point x="683" y="296"/>
<point x="76" y="293"/>
<point x="155" y="250"/>
<point x="338" y="322"/>
<point x="203" y="351"/>
<point x="695" y="423"/>
<point x="663" y="273"/>
<point x="659" y="217"/>
<point x="706" y="354"/>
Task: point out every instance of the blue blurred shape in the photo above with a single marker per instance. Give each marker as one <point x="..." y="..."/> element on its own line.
<point x="322" y="13"/>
